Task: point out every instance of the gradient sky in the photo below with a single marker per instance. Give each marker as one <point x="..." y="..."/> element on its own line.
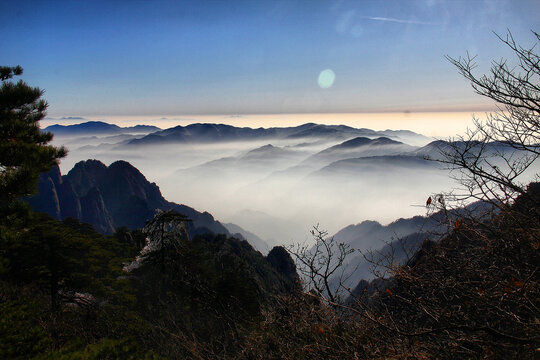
<point x="123" y="58"/>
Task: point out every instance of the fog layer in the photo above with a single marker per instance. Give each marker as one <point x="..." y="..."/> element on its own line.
<point x="280" y="187"/>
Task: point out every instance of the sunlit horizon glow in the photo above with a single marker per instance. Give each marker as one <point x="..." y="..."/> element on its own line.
<point x="432" y="124"/>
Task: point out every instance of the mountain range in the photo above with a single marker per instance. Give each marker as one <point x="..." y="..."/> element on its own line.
<point x="356" y="148"/>
<point x="274" y="183"/>
<point x="98" y="128"/>
<point x="211" y="133"/>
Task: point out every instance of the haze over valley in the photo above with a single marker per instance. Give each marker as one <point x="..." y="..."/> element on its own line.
<point x="276" y="183"/>
<point x="267" y="71"/>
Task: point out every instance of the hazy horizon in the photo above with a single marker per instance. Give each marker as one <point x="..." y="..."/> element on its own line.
<point x="440" y="125"/>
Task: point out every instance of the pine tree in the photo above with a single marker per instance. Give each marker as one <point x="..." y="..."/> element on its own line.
<point x="24" y="149"/>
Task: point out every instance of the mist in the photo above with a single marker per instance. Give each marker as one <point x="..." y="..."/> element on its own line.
<point x="279" y="188"/>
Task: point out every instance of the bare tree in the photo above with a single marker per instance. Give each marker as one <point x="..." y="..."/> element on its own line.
<point x="493" y="160"/>
<point x="322" y="262"/>
<point x="476" y="292"/>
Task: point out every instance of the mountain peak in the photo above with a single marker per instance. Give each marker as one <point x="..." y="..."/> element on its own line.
<point x="123" y="165"/>
<point x="109" y="197"/>
<point x="357" y="141"/>
<point x="88" y="165"/>
<point x="384" y="141"/>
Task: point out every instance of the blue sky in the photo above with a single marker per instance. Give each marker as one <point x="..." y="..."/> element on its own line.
<point x="123" y="58"/>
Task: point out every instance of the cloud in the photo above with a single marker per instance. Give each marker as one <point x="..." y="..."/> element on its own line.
<point x="72" y="118"/>
<point x="345" y="22"/>
<point x="400" y="21"/>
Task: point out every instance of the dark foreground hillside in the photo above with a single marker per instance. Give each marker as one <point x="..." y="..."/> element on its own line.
<point x="175" y="290"/>
<point x="68" y="292"/>
<point x="64" y="294"/>
<point x="474" y="294"/>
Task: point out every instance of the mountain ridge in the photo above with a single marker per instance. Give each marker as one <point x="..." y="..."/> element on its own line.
<point x="110" y="197"/>
<point x="98" y="127"/>
<point x="205" y="132"/>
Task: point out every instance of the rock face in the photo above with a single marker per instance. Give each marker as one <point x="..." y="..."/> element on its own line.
<point x="95" y="212"/>
<point x="282" y="262"/>
<point x="56" y="196"/>
<point x="110" y="197"/>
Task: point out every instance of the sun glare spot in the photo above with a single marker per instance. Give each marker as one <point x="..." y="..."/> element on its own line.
<point x="326" y="78"/>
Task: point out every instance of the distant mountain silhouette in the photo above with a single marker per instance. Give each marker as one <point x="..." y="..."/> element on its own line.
<point x="358" y="147"/>
<point x="397" y="239"/>
<point x="335" y="131"/>
<point x="265" y="158"/>
<point x="268" y="151"/>
<point x="272" y="230"/>
<point x="110" y="197"/>
<point x="199" y="133"/>
<point x="221" y="132"/>
<point x="374" y="165"/>
<point x="253" y="239"/>
<point x="98" y="128"/>
<point x="434" y="149"/>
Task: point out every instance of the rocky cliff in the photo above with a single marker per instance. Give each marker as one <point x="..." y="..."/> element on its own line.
<point x="110" y="197"/>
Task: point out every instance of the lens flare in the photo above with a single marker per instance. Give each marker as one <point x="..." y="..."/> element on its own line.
<point x="326" y="78"/>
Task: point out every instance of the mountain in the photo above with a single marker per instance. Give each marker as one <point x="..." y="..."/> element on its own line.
<point x="272" y="229"/>
<point x="262" y="160"/>
<point x="435" y="149"/>
<point x="399" y="238"/>
<point x="407" y="136"/>
<point x="388" y="151"/>
<point x="358" y="147"/>
<point x="96" y="141"/>
<point x="223" y="177"/>
<point x="397" y="241"/>
<point x="220" y="132"/>
<point x="375" y="165"/>
<point x="371" y="234"/>
<point x="253" y="239"/>
<point x="199" y="133"/>
<point x="110" y="197"/>
<point x="331" y="131"/>
<point x="374" y="243"/>
<point x="98" y="128"/>
<point x="269" y="152"/>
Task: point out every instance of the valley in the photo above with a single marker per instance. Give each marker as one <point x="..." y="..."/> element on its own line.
<point x="276" y="182"/>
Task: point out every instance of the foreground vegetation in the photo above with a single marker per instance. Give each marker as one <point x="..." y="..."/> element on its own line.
<point x="64" y="294"/>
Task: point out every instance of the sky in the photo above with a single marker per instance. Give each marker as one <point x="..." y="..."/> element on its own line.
<point x="107" y="59"/>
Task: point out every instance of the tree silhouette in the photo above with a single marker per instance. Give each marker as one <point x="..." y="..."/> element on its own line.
<point x="24" y="152"/>
<point x="321" y="262"/>
<point x="163" y="232"/>
<point x="491" y="160"/>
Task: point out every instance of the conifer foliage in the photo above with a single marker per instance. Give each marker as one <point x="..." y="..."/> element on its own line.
<point x="24" y="149"/>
